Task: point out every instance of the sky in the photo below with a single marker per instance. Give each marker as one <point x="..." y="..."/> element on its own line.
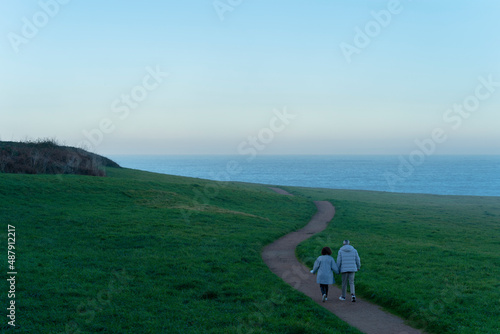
<point x="236" y="76"/>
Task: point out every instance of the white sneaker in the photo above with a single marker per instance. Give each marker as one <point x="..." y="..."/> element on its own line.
<point x="324" y="298"/>
<point x="342" y="298"/>
<point x="353" y="298"/>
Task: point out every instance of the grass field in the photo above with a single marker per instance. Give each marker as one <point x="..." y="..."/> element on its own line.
<point x="138" y="252"/>
<point x="431" y="259"/>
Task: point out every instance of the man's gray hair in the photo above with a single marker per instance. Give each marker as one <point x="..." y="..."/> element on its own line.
<point x="346" y="242"/>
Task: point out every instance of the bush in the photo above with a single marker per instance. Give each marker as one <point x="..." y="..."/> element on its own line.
<point x="45" y="156"/>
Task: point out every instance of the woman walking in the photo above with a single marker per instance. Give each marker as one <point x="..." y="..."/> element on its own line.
<point x="325" y="266"/>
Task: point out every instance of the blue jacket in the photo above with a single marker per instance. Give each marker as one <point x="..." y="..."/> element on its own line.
<point x="348" y="259"/>
<point x="325" y="266"/>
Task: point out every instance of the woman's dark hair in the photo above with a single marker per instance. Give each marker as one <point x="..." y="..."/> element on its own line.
<point x="326" y="251"/>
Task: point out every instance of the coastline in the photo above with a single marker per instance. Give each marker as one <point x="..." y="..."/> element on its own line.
<point x="471" y="175"/>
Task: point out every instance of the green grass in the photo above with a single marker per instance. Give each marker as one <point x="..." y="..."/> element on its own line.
<point x="139" y="252"/>
<point x="431" y="259"/>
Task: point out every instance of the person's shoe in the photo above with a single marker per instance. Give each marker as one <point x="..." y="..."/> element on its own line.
<point x="342" y="298"/>
<point x="353" y="298"/>
<point x="324" y="298"/>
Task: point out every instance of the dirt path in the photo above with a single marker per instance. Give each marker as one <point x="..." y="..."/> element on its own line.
<point x="280" y="258"/>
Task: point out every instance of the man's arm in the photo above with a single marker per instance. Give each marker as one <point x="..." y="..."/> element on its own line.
<point x="358" y="261"/>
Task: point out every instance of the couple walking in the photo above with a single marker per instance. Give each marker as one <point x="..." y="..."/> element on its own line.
<point x="348" y="263"/>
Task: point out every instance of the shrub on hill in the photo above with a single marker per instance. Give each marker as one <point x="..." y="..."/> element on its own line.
<point x="45" y="156"/>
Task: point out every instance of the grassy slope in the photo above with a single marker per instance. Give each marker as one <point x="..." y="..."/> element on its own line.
<point x="133" y="253"/>
<point x="431" y="259"/>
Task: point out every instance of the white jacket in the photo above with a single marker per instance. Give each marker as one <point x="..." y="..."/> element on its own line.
<point x="348" y="259"/>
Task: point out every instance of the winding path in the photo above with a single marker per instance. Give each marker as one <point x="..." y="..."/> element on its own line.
<point x="280" y="258"/>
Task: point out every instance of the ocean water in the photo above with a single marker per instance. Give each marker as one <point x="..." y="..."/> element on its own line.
<point x="445" y="175"/>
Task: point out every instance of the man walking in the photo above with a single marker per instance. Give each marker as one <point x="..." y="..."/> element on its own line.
<point x="348" y="262"/>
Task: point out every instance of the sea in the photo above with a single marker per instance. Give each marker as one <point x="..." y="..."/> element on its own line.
<point x="476" y="175"/>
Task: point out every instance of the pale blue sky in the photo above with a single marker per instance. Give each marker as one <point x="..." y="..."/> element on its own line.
<point x="66" y="65"/>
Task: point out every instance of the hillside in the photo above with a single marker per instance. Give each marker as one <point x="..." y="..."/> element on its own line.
<point x="140" y="252"/>
<point x="47" y="157"/>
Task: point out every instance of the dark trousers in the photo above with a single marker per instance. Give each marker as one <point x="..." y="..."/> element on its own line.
<point x="324" y="289"/>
